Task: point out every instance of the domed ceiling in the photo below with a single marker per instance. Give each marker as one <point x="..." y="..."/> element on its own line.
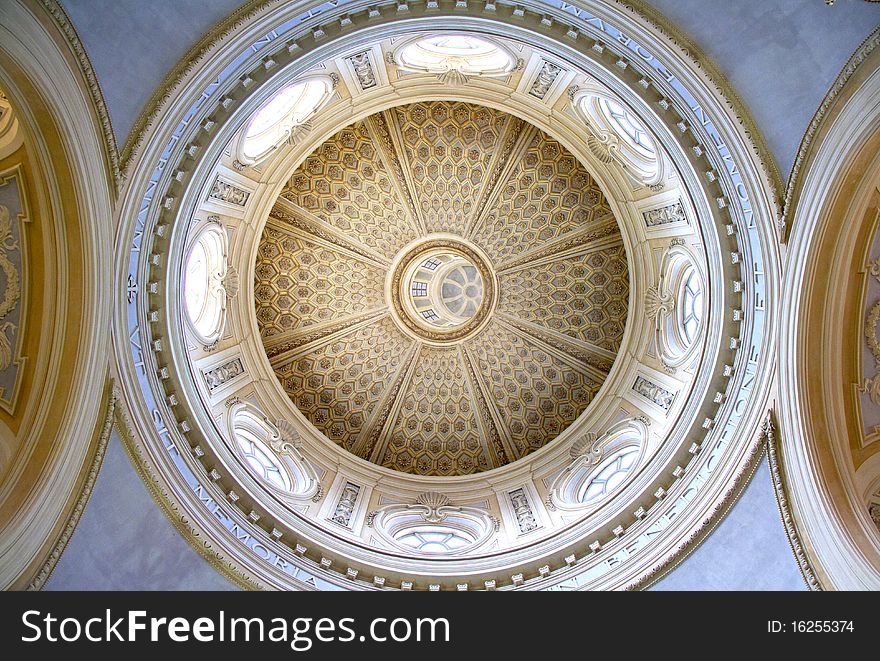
<point x="441" y="288"/>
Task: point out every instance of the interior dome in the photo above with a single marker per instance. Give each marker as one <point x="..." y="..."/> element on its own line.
<point x="435" y="238"/>
<point x="586" y="392"/>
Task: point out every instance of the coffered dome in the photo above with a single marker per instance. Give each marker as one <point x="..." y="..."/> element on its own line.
<point x="462" y="321"/>
<point x="441" y="288"/>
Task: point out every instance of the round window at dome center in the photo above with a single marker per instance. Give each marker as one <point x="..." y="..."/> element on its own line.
<point x="442" y="289"/>
<point x="445" y="289"/>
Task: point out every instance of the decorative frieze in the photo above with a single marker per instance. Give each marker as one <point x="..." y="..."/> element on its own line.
<point x="658" y="395"/>
<point x="217" y="376"/>
<point x="547" y="75"/>
<point x="671" y="213"/>
<point x="522" y="510"/>
<point x="345" y="505"/>
<point x="224" y="191"/>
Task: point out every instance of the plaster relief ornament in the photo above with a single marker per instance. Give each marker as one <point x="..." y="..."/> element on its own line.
<point x="288" y="438"/>
<point x="657" y="304"/>
<point x="522" y="510"/>
<point x="345" y="505"/>
<point x="12" y="287"/>
<point x="871" y="385"/>
<point x="585" y="446"/>
<point x="434" y="503"/>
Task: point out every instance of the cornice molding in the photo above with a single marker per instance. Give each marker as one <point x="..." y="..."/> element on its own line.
<point x="169" y="506"/>
<point x="831" y="211"/>
<point x="712" y="520"/>
<point x="798" y="171"/>
<point x="39" y="581"/>
<point x="687" y="47"/>
<point x="693" y="52"/>
<point x="777" y="473"/>
<point x="67" y="29"/>
<point x="168" y="87"/>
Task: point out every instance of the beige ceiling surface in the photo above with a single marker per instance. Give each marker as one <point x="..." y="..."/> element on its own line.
<point x="508" y="189"/>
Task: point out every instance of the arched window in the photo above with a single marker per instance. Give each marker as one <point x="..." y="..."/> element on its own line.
<point x="462" y="54"/>
<point x="276" y="120"/>
<point x="203" y="292"/>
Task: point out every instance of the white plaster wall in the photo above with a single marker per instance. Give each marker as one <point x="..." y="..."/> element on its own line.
<point x="747" y="551"/>
<point x="781" y="56"/>
<point x="134" y="44"/>
<point x="125" y="542"/>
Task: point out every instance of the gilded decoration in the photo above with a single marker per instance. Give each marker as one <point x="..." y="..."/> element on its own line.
<point x="346" y="304"/>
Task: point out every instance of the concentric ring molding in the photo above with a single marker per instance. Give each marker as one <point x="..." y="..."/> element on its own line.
<point x="710" y="464"/>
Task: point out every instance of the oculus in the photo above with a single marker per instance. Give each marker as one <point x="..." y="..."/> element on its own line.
<point x="677" y="304"/>
<point x="442" y="290"/>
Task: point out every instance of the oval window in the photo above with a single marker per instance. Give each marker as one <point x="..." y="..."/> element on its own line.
<point x="608" y="475"/>
<point x="691" y="309"/>
<point x="203" y="292"/>
<point x="275" y="120"/>
<point x="261" y="460"/>
<point x="471" y="56"/>
<point x="434" y="539"/>
<point x="628" y="127"/>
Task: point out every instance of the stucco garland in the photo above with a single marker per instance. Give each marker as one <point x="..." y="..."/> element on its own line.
<point x="777" y="473"/>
